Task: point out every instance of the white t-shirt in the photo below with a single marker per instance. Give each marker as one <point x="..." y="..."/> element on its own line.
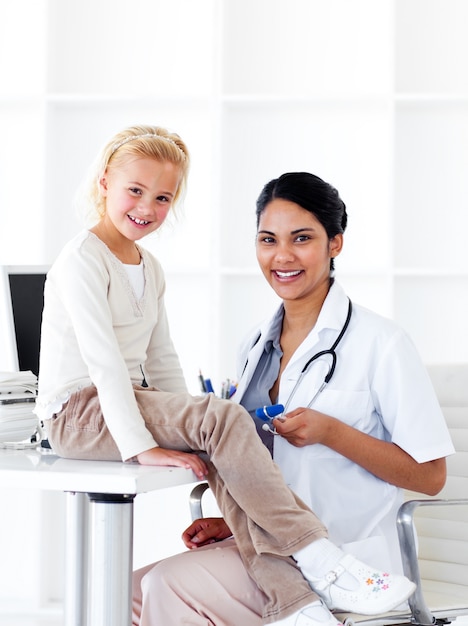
<point x="136" y="276"/>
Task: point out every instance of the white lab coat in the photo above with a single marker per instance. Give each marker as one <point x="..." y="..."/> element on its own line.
<point x="380" y="387"/>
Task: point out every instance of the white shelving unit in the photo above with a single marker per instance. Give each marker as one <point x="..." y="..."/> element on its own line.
<point x="371" y="96"/>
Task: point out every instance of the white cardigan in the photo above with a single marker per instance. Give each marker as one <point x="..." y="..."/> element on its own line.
<point x="95" y="331"/>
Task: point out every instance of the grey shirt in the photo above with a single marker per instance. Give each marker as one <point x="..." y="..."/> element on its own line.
<point x="257" y="393"/>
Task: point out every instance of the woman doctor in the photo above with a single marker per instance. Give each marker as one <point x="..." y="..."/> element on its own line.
<point x="361" y="419"/>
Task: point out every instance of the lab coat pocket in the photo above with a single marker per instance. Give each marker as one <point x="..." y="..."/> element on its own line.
<point x="351" y="407"/>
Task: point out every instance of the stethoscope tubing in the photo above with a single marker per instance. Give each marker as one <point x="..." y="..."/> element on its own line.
<point x="332" y="352"/>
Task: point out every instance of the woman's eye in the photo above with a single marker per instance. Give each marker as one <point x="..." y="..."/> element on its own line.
<point x="301" y="238"/>
<point x="266" y="240"/>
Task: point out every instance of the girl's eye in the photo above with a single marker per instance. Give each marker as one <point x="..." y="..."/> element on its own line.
<point x="135" y="190"/>
<point x="163" y="199"/>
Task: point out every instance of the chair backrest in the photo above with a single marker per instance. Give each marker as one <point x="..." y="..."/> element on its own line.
<point x="443" y="530"/>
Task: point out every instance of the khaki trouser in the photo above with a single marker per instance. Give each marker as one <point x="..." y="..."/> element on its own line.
<point x="201" y="587"/>
<point x="268" y="521"/>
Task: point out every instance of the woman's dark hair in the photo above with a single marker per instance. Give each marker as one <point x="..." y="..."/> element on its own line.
<point x="312" y="194"/>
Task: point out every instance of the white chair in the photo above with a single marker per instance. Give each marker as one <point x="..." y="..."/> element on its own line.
<point x="433" y="532"/>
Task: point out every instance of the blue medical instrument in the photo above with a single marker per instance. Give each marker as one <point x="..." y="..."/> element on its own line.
<point x="266" y="413"/>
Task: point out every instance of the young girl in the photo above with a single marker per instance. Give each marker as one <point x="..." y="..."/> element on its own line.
<point x="111" y="388"/>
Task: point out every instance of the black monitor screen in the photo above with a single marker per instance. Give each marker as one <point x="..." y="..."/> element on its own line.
<point x="27" y="299"/>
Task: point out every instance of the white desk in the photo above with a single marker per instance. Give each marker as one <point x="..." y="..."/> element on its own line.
<point x="98" y="571"/>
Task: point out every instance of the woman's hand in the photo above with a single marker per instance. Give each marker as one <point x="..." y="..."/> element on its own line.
<point x="384" y="459"/>
<point x="205" y="531"/>
<point x="303" y="427"/>
<point x="162" y="456"/>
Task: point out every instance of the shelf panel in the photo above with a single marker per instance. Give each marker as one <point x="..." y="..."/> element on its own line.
<point x="432" y="45"/>
<point x="22" y="184"/>
<point x="193" y="317"/>
<point x="371" y="291"/>
<point x="434" y="312"/>
<point x="143" y="46"/>
<point x="244" y="302"/>
<point x="22" y="48"/>
<point x="431" y="185"/>
<point x="306" y="47"/>
<point x="347" y="144"/>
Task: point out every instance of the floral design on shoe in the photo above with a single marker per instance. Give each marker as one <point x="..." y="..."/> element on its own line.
<point x="356" y="587"/>
<point x="377" y="583"/>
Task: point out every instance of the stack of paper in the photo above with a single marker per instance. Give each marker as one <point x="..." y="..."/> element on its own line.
<point x="18" y="382"/>
<point x="17" y="401"/>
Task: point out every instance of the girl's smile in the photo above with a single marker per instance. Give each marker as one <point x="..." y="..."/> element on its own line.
<point x="138" y="221"/>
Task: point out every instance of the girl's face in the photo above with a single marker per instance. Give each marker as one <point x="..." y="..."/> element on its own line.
<point x="138" y="195"/>
<point x="293" y="250"/>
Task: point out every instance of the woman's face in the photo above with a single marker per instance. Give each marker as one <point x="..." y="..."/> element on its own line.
<point x="293" y="251"/>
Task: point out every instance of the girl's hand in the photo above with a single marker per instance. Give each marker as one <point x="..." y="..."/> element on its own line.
<point x="303" y="427"/>
<point x="162" y="456"/>
<point x="205" y="531"/>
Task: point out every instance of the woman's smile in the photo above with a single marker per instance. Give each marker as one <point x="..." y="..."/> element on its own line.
<point x="284" y="274"/>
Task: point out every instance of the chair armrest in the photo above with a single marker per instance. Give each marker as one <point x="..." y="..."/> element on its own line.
<point x="195" y="500"/>
<point x="409" y="554"/>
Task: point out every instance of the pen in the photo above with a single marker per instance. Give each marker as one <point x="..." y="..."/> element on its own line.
<point x="202" y="382"/>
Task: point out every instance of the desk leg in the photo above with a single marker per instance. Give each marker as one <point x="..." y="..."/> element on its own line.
<point x="111" y="560"/>
<point x="76" y="562"/>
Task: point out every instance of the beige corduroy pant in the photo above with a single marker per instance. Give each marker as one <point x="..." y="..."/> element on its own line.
<point x="268" y="521"/>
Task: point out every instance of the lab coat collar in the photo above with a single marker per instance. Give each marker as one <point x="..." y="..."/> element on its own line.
<point x="329" y="323"/>
<point x="332" y="316"/>
<point x="334" y="310"/>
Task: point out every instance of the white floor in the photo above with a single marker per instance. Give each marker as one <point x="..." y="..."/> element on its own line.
<point x="12" y="620"/>
<point x="49" y="618"/>
<point x="54" y="619"/>
<point x="16" y="620"/>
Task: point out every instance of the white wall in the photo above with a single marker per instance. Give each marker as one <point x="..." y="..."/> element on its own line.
<point x="372" y="96"/>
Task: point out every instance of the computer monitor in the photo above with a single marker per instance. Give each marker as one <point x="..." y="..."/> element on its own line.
<point x="21" y="304"/>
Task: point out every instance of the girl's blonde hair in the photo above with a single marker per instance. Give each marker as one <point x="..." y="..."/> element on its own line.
<point x="142" y="141"/>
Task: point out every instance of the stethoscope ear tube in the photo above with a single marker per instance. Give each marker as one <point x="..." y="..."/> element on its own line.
<point x="269" y="429"/>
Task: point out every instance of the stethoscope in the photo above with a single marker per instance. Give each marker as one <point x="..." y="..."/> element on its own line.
<point x="268" y="413"/>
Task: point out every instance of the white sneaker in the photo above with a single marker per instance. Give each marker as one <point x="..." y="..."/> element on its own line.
<point x="314" y="614"/>
<point x="358" y="588"/>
